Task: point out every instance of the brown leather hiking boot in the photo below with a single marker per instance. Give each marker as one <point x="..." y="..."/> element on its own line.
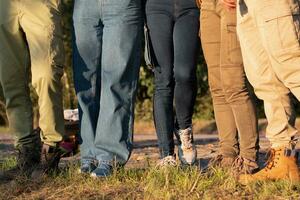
<point x="221" y="161"/>
<point x="279" y="166"/>
<point x="243" y="165"/>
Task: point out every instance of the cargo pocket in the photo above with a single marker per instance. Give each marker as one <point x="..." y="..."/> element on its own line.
<point x="280" y="25"/>
<point x="234" y="50"/>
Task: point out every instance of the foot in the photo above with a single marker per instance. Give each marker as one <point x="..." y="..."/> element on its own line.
<point x="186" y="150"/>
<point x="243" y="165"/>
<point x="168" y="161"/>
<point x="104" y="169"/>
<point x="221" y="161"/>
<point x="87" y="167"/>
<point x="51" y="156"/>
<point x="282" y="165"/>
<point x="28" y="159"/>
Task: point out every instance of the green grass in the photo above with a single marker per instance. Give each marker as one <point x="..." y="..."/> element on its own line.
<point x="149" y="183"/>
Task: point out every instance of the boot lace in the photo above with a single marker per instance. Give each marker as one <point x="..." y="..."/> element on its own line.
<point x="272" y="159"/>
<point x="244" y="165"/>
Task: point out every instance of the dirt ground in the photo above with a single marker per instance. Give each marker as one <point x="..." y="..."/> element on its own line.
<point x="145" y="144"/>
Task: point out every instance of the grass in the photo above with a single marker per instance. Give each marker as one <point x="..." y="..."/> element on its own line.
<point x="149" y="183"/>
<point x="4" y="129"/>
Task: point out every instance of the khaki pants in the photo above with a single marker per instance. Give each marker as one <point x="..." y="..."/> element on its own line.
<point x="234" y="111"/>
<point x="31" y="36"/>
<point x="269" y="35"/>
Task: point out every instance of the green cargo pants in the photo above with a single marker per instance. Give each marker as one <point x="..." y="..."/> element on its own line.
<point x="269" y="33"/>
<point x="31" y="40"/>
<point x="234" y="111"/>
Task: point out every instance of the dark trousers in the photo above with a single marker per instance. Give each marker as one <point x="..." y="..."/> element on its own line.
<point x="173" y="26"/>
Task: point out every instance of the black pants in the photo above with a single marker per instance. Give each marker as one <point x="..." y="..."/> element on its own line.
<point x="173" y="26"/>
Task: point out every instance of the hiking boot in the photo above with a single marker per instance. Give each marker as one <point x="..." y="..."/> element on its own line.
<point x="28" y="158"/>
<point x="221" y="161"/>
<point x="168" y="161"/>
<point x="51" y="156"/>
<point x="243" y="165"/>
<point x="104" y="169"/>
<point x="87" y="167"/>
<point x="279" y="166"/>
<point x="186" y="150"/>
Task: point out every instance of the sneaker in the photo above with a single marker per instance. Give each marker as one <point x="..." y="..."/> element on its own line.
<point x="168" y="161"/>
<point x="87" y="167"/>
<point x="186" y="150"/>
<point x="104" y="169"/>
<point x="282" y="165"/>
<point x="221" y="161"/>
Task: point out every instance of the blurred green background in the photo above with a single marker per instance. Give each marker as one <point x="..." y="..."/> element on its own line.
<point x="203" y="107"/>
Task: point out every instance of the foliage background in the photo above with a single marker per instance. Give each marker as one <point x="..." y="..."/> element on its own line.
<point x="203" y="107"/>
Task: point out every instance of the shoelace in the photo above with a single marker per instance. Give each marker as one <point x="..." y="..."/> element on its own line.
<point x="244" y="165"/>
<point x="167" y="161"/>
<point x="104" y="163"/>
<point x="271" y="162"/>
<point x="88" y="162"/>
<point x="238" y="163"/>
<point x="186" y="139"/>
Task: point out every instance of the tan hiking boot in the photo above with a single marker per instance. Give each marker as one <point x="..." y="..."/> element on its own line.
<point x="279" y="166"/>
<point x="221" y="161"/>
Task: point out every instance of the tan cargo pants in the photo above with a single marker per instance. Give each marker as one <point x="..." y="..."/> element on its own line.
<point x="234" y="111"/>
<point x="269" y="35"/>
<point x="31" y="39"/>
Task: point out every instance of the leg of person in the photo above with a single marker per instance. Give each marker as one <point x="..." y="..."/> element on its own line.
<point x="119" y="77"/>
<point x="279" y="27"/>
<point x="233" y="81"/>
<point x="161" y="33"/>
<point x="186" y="46"/>
<point x="211" y="44"/>
<point x="276" y="99"/>
<point x="14" y="63"/>
<point x="44" y="36"/>
<point x="87" y="50"/>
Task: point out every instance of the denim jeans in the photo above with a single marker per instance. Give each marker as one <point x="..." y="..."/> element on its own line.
<point x="106" y="67"/>
<point x="173" y="27"/>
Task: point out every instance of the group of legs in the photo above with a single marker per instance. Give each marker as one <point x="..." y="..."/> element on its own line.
<point x="265" y="48"/>
<point x="269" y="36"/>
<point x="106" y="54"/>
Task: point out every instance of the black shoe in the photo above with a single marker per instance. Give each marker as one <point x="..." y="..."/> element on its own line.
<point x="51" y="155"/>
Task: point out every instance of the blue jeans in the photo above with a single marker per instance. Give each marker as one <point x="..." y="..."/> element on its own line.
<point x="173" y="27"/>
<point x="106" y="67"/>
